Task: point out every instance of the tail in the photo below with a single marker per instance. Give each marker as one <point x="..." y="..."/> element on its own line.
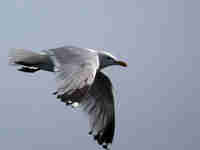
<point x="30" y="61"/>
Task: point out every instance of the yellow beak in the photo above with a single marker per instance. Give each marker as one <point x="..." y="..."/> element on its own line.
<point x="122" y="63"/>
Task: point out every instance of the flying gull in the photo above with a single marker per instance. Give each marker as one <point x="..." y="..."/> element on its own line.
<point x="80" y="82"/>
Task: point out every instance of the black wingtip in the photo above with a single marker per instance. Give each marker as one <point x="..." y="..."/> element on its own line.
<point x="55" y="93"/>
<point x="105" y="147"/>
<point x="90" y="132"/>
<point x="28" y="69"/>
<point x="102" y="141"/>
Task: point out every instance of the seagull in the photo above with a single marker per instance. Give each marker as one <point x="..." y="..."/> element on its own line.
<point x="80" y="82"/>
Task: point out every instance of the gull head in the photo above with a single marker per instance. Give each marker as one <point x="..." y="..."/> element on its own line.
<point x="106" y="59"/>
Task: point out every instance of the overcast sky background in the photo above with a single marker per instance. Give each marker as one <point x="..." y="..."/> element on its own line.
<point x="157" y="96"/>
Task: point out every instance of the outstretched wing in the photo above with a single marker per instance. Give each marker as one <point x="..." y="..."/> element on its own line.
<point x="75" y="69"/>
<point x="99" y="105"/>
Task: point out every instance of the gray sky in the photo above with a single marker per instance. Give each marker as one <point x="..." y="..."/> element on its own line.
<point x="157" y="97"/>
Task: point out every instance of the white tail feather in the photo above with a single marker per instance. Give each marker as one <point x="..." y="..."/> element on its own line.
<point x="16" y="55"/>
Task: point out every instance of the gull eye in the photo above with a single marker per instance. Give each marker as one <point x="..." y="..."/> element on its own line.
<point x="109" y="58"/>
